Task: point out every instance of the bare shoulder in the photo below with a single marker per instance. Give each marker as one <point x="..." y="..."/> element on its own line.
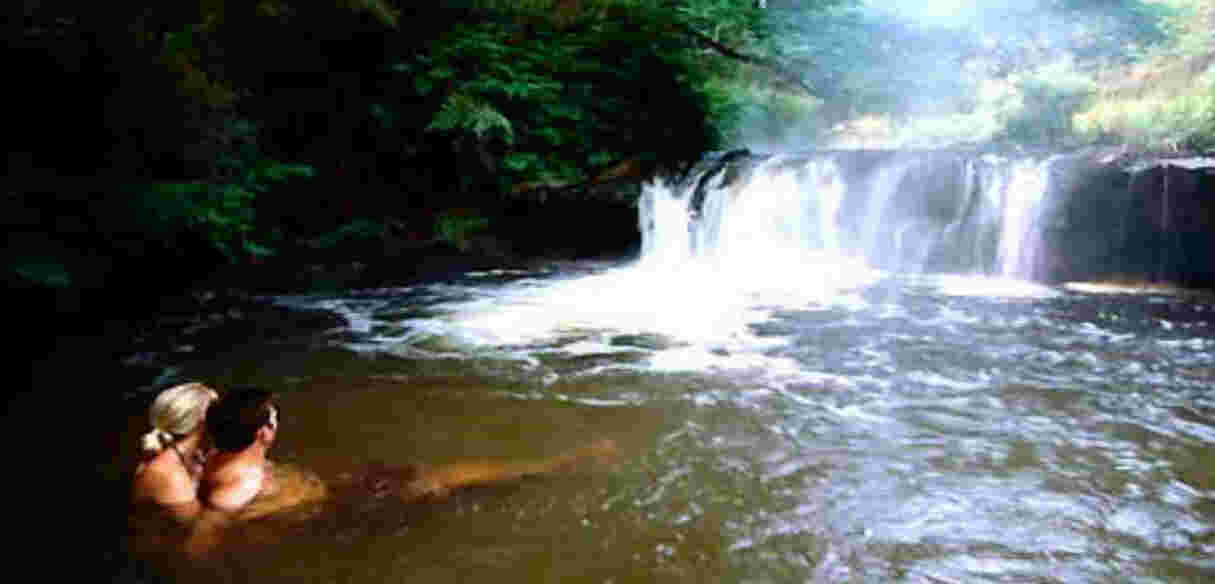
<point x="287" y="487"/>
<point x="159" y="481"/>
<point x="231" y="490"/>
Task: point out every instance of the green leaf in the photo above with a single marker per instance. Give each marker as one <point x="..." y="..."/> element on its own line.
<point x="357" y="229"/>
<point x="567" y="111"/>
<point x="423" y="85"/>
<point x="462" y="112"/>
<point x="43" y="272"/>
<point x="386" y="117"/>
<point x="601" y="158"/>
<point x="258" y="250"/>
<point x="551" y="135"/>
<point x="521" y="161"/>
<point x="458" y="229"/>
<point x="176" y="42"/>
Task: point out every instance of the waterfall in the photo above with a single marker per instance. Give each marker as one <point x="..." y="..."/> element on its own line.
<point x="961" y="238"/>
<point x="764" y="216"/>
<point x="665" y="223"/>
<point x="876" y="223"/>
<point x="825" y="186"/>
<point x="782" y="215"/>
<point x="1020" y="241"/>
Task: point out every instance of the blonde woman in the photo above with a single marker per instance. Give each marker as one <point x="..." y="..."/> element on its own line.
<point x="174" y="451"/>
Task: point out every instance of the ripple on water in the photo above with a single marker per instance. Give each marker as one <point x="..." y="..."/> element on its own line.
<point x="919" y="429"/>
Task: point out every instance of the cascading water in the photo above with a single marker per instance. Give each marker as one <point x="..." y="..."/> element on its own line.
<point x="776" y="228"/>
<point x="782" y="218"/>
<point x="789" y="212"/>
<point x="670" y="245"/>
<point x="881" y="187"/>
<point x="739" y="238"/>
<point x="1020" y="242"/>
<point x="830" y="188"/>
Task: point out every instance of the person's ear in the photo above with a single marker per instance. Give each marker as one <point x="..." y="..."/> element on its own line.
<point x="265" y="434"/>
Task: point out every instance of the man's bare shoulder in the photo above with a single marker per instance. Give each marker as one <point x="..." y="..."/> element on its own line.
<point x="286" y="486"/>
<point x="231" y="488"/>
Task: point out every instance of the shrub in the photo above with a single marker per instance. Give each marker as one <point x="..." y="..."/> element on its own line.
<point x="458" y="227"/>
<point x="1049" y="98"/>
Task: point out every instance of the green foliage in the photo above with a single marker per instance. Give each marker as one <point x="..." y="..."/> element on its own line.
<point x="458" y="228"/>
<point x="551" y="100"/>
<point x="464" y="113"/>
<point x="1183" y="120"/>
<point x="1188" y="25"/>
<point x="864" y="61"/>
<point x="1165" y="101"/>
<point x="1049" y="99"/>
<point x="1115" y="31"/>
<point x="726" y="21"/>
<point x="221" y="211"/>
<point x="928" y="69"/>
<point x="360" y="229"/>
<point x="382" y="11"/>
<point x="767" y="117"/>
<point x="386" y="117"/>
<point x="521" y="161"/>
<point x="49" y="272"/>
<point x="265" y="171"/>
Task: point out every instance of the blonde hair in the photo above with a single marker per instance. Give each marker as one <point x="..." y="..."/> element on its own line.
<point x="177" y="411"/>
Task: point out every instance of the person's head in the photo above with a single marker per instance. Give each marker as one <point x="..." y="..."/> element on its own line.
<point x="176" y="412"/>
<point x="244" y="416"/>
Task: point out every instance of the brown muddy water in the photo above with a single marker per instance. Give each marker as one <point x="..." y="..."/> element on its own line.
<point x="888" y="429"/>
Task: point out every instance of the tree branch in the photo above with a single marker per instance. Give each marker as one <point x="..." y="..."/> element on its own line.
<point x="773" y="66"/>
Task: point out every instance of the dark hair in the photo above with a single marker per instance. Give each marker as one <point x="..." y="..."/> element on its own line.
<point x="233" y="421"/>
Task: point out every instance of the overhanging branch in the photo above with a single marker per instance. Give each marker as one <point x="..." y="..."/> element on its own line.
<point x="768" y="64"/>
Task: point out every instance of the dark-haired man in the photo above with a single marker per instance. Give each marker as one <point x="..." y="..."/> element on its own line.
<point x="242" y="426"/>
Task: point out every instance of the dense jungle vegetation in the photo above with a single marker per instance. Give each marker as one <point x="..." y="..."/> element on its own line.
<point x="175" y="137"/>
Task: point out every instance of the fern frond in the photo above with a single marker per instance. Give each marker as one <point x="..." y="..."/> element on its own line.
<point x="380" y="10"/>
<point x="465" y="113"/>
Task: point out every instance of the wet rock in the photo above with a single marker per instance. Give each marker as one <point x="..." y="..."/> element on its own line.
<point x="564" y="363"/>
<point x="404" y="314"/>
<point x="435" y="344"/>
<point x="650" y="341"/>
<point x="385" y="330"/>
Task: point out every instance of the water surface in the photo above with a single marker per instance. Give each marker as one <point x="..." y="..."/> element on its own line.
<point x="834" y="424"/>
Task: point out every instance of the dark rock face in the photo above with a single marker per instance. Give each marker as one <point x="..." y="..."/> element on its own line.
<point x="728" y="169"/>
<point x="1154" y="221"/>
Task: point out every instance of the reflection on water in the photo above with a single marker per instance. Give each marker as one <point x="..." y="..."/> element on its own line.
<point x="860" y="428"/>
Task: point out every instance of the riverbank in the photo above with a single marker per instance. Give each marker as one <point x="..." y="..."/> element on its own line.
<point x="128" y="336"/>
<point x="112" y="356"/>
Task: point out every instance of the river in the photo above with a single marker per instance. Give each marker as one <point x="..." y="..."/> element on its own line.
<point x="780" y="418"/>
